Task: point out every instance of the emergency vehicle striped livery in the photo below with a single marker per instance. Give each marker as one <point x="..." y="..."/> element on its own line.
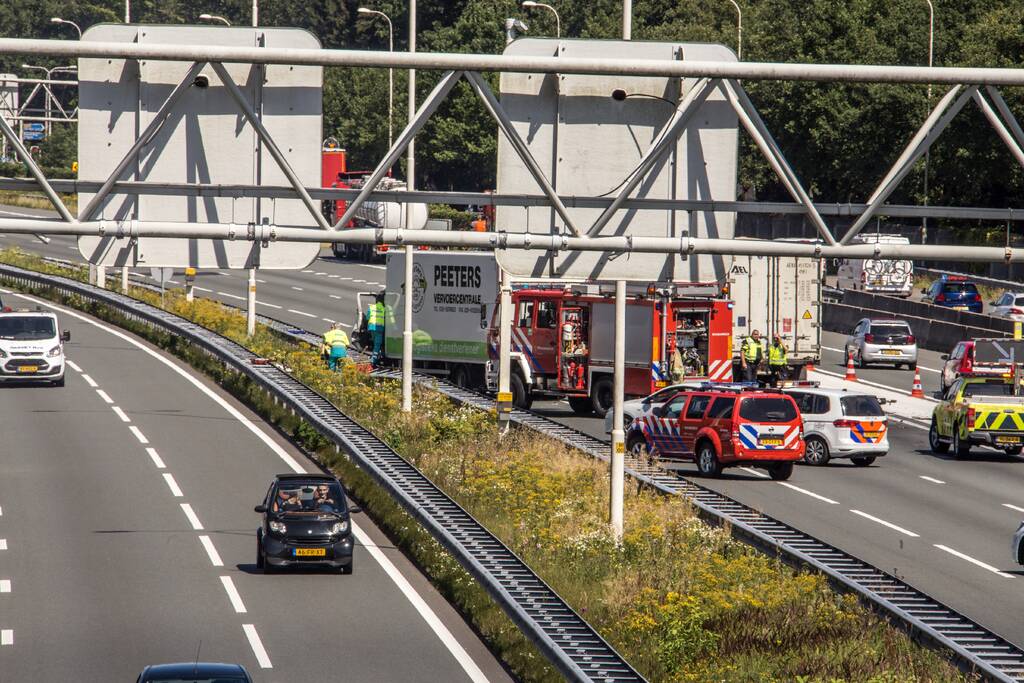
<point x="663" y="435"/>
<point x="868" y="432"/>
<point x="769" y="437"/>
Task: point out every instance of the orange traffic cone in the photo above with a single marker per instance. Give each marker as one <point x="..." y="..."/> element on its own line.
<point x="917" y="391"/>
<point x="851" y="374"/>
<point x="809" y="366"/>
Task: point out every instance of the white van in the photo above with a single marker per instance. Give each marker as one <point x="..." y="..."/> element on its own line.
<point x="877" y="276"/>
<point x="31" y="347"/>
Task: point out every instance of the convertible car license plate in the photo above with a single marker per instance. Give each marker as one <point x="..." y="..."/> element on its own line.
<point x="1008" y="439"/>
<point x="769" y="442"/>
<point x="310" y="552"/>
<point x="890" y="352"/>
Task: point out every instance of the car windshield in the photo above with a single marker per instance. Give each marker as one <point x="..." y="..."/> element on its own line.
<point x="861" y="406"/>
<point x="662" y="394"/>
<point x="768" y="409"/>
<point x="890" y="330"/>
<point x="959" y="288"/>
<point x="308" y="498"/>
<point x="988" y="389"/>
<point x="27" y="327"/>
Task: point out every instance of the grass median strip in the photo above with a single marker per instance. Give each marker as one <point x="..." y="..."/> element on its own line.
<point x="682" y="601"/>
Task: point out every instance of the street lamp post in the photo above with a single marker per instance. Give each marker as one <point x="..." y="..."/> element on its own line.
<point x="58" y="20"/>
<point x="214" y="17"/>
<point x="739" y="30"/>
<point x="927" y="154"/>
<point x="391" y="72"/>
<point x="558" y="22"/>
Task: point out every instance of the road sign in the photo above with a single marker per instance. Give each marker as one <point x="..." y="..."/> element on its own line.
<point x="587" y="141"/>
<point x="206" y="139"/>
<point x="36" y="126"/>
<point x="32" y="135"/>
<point x="161" y="275"/>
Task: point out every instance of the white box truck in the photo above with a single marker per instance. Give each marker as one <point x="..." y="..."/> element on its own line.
<point x="778" y="294"/>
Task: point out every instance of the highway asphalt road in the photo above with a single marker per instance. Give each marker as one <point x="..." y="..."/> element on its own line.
<point x="127" y="537"/>
<point x="943" y="525"/>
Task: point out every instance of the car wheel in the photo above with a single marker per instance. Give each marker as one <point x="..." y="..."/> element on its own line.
<point x="707" y="460"/>
<point x="960" y="449"/>
<point x="934" y="442"/>
<point x="781" y="471"/>
<point x="816" y="451"/>
<point x="581" y="405"/>
<point x="1014" y="450"/>
<point x="637" y="446"/>
<point x="863" y="462"/>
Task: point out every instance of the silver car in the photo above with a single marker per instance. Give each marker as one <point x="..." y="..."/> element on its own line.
<point x="882" y="341"/>
<point x="1010" y="305"/>
<point x="840" y="424"/>
<point x="1018" y="548"/>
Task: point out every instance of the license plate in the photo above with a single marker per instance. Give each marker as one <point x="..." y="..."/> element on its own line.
<point x="1008" y="439"/>
<point x="890" y="352"/>
<point x="960" y="308"/>
<point x="28" y="368"/>
<point x="769" y="442"/>
<point x="310" y="552"/>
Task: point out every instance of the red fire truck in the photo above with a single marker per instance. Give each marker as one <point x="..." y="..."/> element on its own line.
<point x="563" y="342"/>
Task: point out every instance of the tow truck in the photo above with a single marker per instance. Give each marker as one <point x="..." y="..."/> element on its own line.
<point x="979" y="410"/>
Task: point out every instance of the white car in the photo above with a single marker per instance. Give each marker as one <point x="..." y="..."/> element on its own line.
<point x="882" y="341"/>
<point x="639" y="406"/>
<point x="31" y="347"/>
<point x="841" y="424"/>
<point x="1010" y="305"/>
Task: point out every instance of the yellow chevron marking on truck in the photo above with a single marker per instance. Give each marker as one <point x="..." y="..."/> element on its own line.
<point x="997" y="419"/>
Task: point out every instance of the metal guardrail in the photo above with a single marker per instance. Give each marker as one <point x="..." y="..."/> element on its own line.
<point x="570" y="643"/>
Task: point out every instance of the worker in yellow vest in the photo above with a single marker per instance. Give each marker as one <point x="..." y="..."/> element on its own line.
<point x="752" y="355"/>
<point x="778" y="361"/>
<point x="335" y="346"/>
<point x="375" y="326"/>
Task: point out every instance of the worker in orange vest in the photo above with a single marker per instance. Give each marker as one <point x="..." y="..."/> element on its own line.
<point x="479" y="225"/>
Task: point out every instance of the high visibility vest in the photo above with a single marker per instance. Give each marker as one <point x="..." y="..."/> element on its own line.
<point x="375" y="314"/>
<point x="335" y="338"/>
<point x="777" y="355"/>
<point x="750" y="347"/>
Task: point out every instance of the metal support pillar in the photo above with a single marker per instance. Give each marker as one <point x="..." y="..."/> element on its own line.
<point x="504" y="405"/>
<point x="662" y="144"/>
<point x="762" y="137"/>
<point x="627" y="19"/>
<point x="618" y="454"/>
<point x="92" y="208"/>
<point x="431" y="104"/>
<point x="506" y="126"/>
<point x="1008" y="117"/>
<point x="124" y="279"/>
<point x="945" y="111"/>
<point x="250" y="307"/>
<point x="268" y="142"/>
<point x="403" y="143"/>
<point x="407" y="333"/>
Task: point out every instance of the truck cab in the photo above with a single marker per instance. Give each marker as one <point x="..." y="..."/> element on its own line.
<point x="31" y="347"/>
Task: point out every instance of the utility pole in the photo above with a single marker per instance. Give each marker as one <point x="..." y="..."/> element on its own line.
<point x="618" y="454"/>
<point x="411" y="185"/>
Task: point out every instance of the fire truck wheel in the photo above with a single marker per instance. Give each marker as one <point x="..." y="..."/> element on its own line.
<point x="581" y="405"/>
<point x="602" y="395"/>
<point x="520" y="397"/>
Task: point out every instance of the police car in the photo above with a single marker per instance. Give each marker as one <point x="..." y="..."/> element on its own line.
<point x="31" y="347"/>
<point x="840" y="424"/>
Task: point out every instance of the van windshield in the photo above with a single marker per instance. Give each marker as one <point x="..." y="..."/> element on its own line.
<point x="768" y="409"/>
<point x="27" y="328"/>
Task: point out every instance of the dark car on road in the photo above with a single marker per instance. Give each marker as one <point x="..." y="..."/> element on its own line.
<point x="954" y="291"/>
<point x="306" y="522"/>
<point x="194" y="672"/>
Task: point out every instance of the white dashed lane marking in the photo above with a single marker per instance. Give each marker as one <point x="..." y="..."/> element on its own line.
<point x="1013" y="507"/>
<point x="211" y="551"/>
<point x="90" y="381"/>
<point x="885" y="523"/>
<point x="977" y="563"/>
<point x="192" y="518"/>
<point x="72" y="365"/>
<point x="7" y="636"/>
<point x="932" y="479"/>
<point x="138" y="434"/>
<point x="104" y="395"/>
<point x="156" y="458"/>
<point x="812" y="494"/>
<point x="308" y="315"/>
<point x="257" y="646"/>
<point x="233" y="596"/>
<point x="120" y="414"/>
<point x="172" y="485"/>
<point x="3" y="544"/>
<point x="5" y="585"/>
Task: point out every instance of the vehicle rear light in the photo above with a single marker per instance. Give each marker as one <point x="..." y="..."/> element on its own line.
<point x="1016" y="311"/>
<point x="911" y="339"/>
<point x="863" y="277"/>
<point x="970" y="417"/>
<point x="976" y="297"/>
<point x="869" y="338"/>
<point x="849" y="424"/>
<point x="940" y="298"/>
<point x="967" y="365"/>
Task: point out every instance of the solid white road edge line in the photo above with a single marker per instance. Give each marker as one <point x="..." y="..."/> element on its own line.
<point x="410" y="593"/>
<point x="442" y="632"/>
<point x="812" y="494"/>
<point x="211" y="551"/>
<point x="192" y="518"/>
<point x="156" y="458"/>
<point x="90" y="381"/>
<point x="1013" y="507"/>
<point x="973" y="561"/>
<point x="885" y="523"/>
<point x="934" y="480"/>
<point x="7" y="636"/>
<point x="233" y="596"/>
<point x="257" y="646"/>
<point x="246" y="422"/>
<point x="172" y="485"/>
<point x="874" y="384"/>
<point x="120" y="414"/>
<point x="72" y="365"/>
<point x="138" y="434"/>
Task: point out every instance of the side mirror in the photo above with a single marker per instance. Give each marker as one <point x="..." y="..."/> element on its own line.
<point x="66" y="336"/>
<point x="260" y="509"/>
<point x="944" y="356"/>
<point x="354" y="509"/>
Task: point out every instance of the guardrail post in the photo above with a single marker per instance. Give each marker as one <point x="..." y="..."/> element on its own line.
<point x="618" y="435"/>
<point x="101" y="276"/>
<point x="124" y="279"/>
<point x="250" y="310"/>
<point x="504" y="405"/>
